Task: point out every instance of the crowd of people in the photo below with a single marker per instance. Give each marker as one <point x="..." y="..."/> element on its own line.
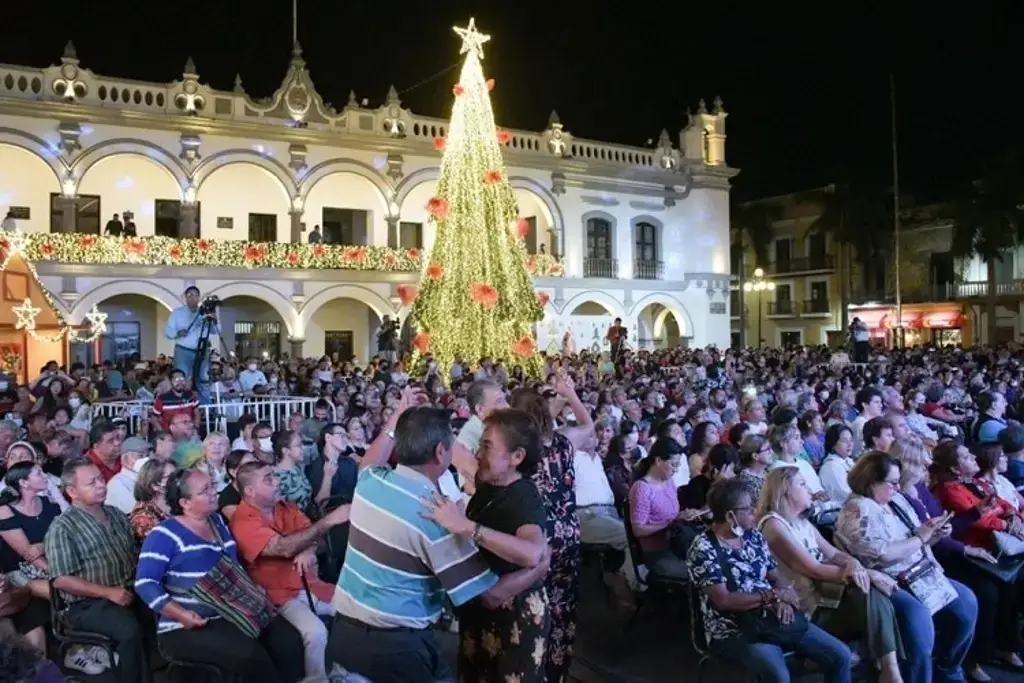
<point x="841" y="511"/>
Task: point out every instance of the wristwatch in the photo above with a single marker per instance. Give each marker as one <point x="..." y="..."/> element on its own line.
<point x="478" y="532"/>
<point x="390" y="433"/>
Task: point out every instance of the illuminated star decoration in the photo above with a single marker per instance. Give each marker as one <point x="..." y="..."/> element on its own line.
<point x="472" y="40"/>
<point x="26" y="316"/>
<point x="97" y="322"/>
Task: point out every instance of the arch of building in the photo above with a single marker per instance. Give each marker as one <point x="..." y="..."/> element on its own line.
<point x="605" y="300"/>
<point x="130" y="181"/>
<point x="377" y="303"/>
<point x="42" y="149"/>
<point x="103" y="151"/>
<point x="159" y="293"/>
<point x="237" y="184"/>
<point x="229" y="157"/>
<point x="314" y="175"/>
<point x="27" y="180"/>
<point x="266" y="294"/>
<point x="672" y="305"/>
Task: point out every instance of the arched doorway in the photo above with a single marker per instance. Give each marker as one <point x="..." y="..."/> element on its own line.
<point x="135" y="324"/>
<point x="658" y="327"/>
<point x="243" y="201"/>
<point x="349" y="209"/>
<point x="26" y="183"/>
<point x="343" y="326"/>
<point x="251" y="328"/>
<point x="129" y="182"/>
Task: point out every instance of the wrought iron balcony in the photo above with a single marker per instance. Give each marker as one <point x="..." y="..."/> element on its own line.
<point x="801" y="264"/>
<point x="816" y="306"/>
<point x="601" y="267"/>
<point x="782" y="307"/>
<point x="648" y="270"/>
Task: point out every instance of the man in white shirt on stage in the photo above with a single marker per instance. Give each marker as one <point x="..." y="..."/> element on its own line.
<point x="183" y="328"/>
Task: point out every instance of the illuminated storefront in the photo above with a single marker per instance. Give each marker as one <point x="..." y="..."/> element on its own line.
<point x="939" y="324"/>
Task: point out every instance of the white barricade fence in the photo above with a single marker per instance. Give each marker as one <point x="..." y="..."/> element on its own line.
<point x="134" y="413"/>
<point x="274" y="410"/>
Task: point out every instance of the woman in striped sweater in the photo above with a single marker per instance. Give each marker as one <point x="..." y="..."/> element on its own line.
<point x="208" y="609"/>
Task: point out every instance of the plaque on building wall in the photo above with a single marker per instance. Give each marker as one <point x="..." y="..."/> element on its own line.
<point x="21" y="213"/>
<point x="225" y="222"/>
<point x="718" y="308"/>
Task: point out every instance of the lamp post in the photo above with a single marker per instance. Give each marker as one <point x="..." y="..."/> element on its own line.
<point x="759" y="285"/>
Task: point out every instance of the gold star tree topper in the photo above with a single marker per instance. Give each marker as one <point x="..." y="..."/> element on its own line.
<point x="472" y="40"/>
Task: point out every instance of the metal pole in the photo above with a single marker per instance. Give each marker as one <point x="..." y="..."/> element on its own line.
<point x="295" y="22"/>
<point x="760" y="315"/>
<point x="896" y="211"/>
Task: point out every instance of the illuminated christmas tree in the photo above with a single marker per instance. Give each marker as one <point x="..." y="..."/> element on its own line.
<point x="476" y="299"/>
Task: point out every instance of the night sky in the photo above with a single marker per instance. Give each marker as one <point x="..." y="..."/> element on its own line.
<point x="806" y="87"/>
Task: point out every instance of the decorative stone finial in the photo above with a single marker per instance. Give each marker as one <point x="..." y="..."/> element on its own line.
<point x="70" y="52"/>
<point x="296" y="52"/>
<point x="701" y="107"/>
<point x="238" y="84"/>
<point x="716" y="106"/>
<point x="393" y="97"/>
<point x="664" y="140"/>
<point x="190" y="67"/>
<point x="553" y="120"/>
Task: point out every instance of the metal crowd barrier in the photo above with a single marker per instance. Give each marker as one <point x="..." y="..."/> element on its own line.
<point x="274" y="410"/>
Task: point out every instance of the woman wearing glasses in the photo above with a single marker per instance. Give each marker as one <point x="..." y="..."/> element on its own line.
<point x="880" y="528"/>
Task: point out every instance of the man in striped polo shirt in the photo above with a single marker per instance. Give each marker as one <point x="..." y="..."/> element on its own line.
<point x="400" y="566"/>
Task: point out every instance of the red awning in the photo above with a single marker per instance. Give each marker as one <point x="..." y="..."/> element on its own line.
<point x="910" y="320"/>
<point x="944" y="319"/>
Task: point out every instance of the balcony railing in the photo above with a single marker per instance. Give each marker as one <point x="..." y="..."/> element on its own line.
<point x="601" y="267"/>
<point x="648" y="270"/>
<point x="801" y="264"/>
<point x="168" y="251"/>
<point x="782" y="307"/>
<point x="816" y="306"/>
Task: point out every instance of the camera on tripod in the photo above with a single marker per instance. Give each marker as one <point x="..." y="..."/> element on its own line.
<point x="209" y="305"/>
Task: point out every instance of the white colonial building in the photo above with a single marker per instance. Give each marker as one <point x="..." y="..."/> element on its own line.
<point x="225" y="188"/>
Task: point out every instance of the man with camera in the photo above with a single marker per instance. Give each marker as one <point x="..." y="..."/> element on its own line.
<point x="185" y="327"/>
<point x="386" y="339"/>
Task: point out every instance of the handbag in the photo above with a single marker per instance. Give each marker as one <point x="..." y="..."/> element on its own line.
<point x="924" y="579"/>
<point x="764" y="625"/>
<point x="227" y="590"/>
<point x="1008" y="544"/>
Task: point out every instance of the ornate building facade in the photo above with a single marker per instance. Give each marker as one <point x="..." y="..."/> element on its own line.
<point x="224" y="190"/>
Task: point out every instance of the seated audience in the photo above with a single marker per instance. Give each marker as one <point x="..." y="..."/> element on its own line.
<point x="230" y="496"/>
<point x="150" y="495"/>
<point x="834" y="588"/>
<point x="277" y="543"/>
<point x="105" y="451"/>
<point x="654" y="509"/>
<point x="214" y="451"/>
<point x="936" y="616"/>
<point x="738" y="581"/>
<point x="208" y="609"/>
<point x="838" y="462"/>
<point x="756" y="455"/>
<point x="91" y="552"/>
<point x="121" y="487"/>
<point x="992" y="466"/>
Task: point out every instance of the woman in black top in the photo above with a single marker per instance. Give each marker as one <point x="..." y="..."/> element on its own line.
<point x="505" y="517"/>
<point x="230" y="498"/>
<point x="25" y="516"/>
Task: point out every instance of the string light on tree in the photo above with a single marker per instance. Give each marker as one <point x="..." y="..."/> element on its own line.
<point x="476" y="299"/>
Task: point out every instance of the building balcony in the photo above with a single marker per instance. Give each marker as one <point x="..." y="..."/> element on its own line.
<point x="601" y="267"/>
<point x="792" y="266"/>
<point x="782" y="308"/>
<point x="167" y="251"/>
<point x="816" y="307"/>
<point x="648" y="270"/>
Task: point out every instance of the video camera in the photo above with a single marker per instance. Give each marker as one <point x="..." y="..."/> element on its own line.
<point x="209" y="305"/>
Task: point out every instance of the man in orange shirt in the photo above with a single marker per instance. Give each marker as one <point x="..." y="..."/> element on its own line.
<point x="277" y="543"/>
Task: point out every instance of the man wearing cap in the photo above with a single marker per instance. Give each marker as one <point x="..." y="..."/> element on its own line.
<point x="135" y="452"/>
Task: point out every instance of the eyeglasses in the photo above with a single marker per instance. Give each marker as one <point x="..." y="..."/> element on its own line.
<point x="894" y="484"/>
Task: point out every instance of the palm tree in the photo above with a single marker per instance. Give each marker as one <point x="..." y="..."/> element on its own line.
<point x="752" y="226"/>
<point x="988" y="221"/>
<point x="859" y="222"/>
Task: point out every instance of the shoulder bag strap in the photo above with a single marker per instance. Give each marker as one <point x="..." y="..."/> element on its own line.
<point x="902" y="515"/>
<point x="730" y="583"/>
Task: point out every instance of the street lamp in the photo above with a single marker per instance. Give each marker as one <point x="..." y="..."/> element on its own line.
<point x="759" y="285"/>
